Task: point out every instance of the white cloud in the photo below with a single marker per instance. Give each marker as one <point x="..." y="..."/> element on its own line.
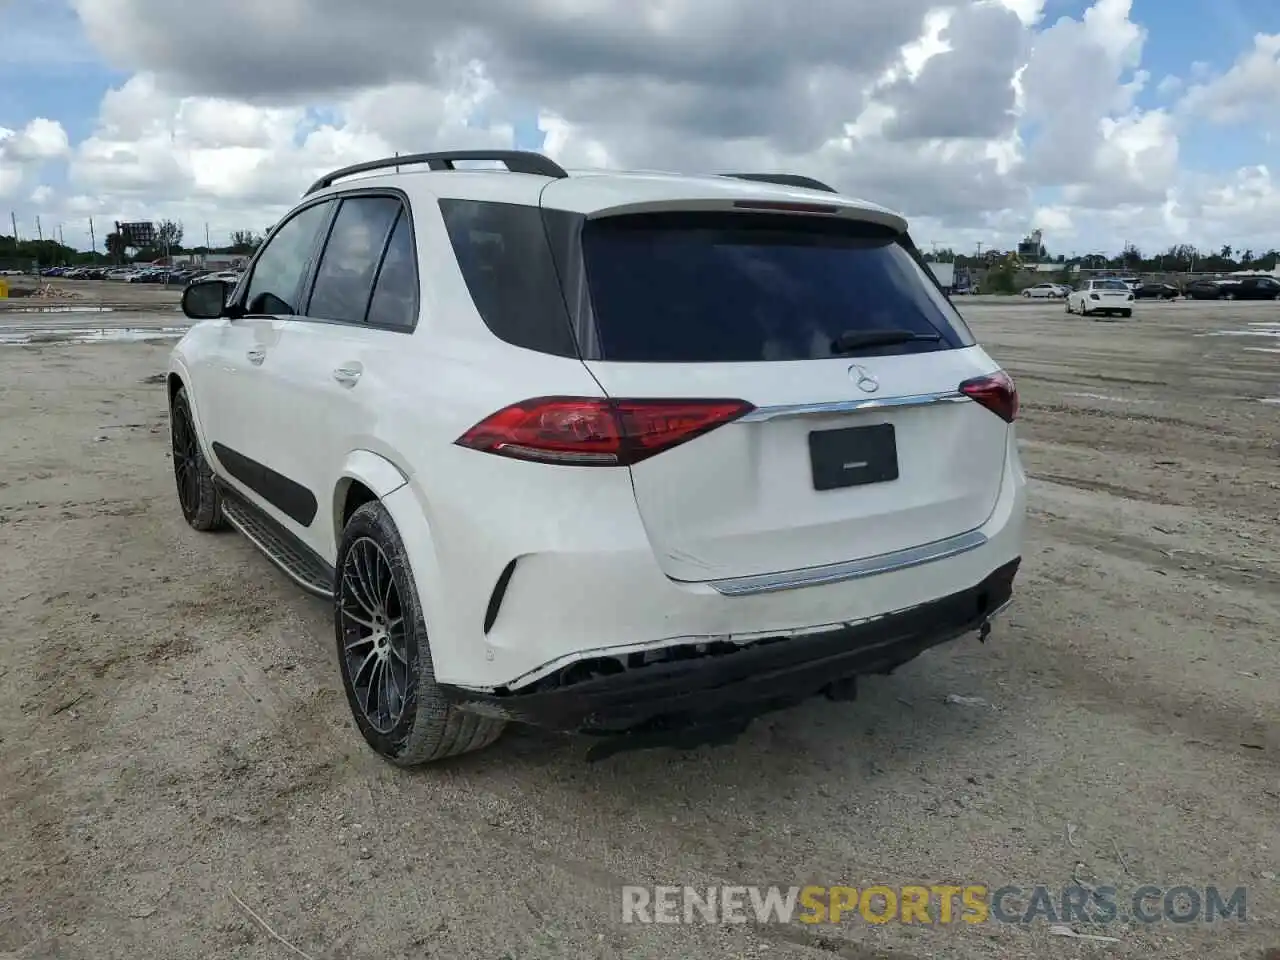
<point x="1249" y="91"/>
<point x="980" y="118"/>
<point x="23" y="152"/>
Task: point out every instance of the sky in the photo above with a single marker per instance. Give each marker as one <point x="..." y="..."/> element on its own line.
<point x="1151" y="122"/>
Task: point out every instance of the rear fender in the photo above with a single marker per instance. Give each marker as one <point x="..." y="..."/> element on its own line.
<point x="454" y="659"/>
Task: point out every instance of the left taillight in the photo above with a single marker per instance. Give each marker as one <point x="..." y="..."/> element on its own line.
<point x="591" y="432"/>
<point x="997" y="392"/>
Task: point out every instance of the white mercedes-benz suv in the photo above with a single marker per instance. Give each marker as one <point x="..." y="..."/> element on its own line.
<point x="635" y="455"/>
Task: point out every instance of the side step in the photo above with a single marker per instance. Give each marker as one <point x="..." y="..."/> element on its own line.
<point x="295" y="559"/>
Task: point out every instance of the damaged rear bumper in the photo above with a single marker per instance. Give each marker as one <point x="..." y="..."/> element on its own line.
<point x="713" y="688"/>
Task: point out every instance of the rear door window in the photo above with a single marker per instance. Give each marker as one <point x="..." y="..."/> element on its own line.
<point x="395" y="293"/>
<point x="349" y="264"/>
<point x="731" y="287"/>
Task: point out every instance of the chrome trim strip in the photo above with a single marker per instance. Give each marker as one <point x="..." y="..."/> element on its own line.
<point x="999" y="610"/>
<point x="848" y="570"/>
<point x="761" y="414"/>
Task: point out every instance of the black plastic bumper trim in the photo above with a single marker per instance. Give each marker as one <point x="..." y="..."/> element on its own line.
<point x="766" y="675"/>
<point x="499" y="592"/>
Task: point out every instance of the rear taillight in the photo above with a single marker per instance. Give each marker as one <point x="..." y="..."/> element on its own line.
<point x="582" y="431"/>
<point x="996" y="392"/>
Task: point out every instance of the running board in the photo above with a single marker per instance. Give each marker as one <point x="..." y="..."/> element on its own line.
<point x="295" y="559"/>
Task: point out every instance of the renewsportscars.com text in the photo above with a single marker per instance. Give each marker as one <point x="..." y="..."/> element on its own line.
<point x="933" y="904"/>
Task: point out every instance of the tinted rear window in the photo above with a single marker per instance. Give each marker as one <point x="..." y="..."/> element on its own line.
<point x="713" y="287"/>
<point x="505" y="258"/>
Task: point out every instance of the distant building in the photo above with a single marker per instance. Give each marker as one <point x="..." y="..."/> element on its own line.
<point x="1031" y="249"/>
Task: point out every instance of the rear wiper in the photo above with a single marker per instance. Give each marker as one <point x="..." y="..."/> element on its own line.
<point x="856" y="339"/>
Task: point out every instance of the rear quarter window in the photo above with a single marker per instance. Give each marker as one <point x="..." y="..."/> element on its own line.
<point x="505" y="259"/>
<point x="734" y="287"/>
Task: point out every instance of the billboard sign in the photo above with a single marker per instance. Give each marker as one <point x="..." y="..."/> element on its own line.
<point x="137" y="234"/>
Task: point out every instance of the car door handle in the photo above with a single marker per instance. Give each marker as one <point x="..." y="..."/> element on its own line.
<point x="347" y="376"/>
<point x="256" y="356"/>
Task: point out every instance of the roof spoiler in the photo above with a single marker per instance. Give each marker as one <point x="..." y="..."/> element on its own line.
<point x="783" y="179"/>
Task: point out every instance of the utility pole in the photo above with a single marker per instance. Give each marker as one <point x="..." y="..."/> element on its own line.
<point x="61" y="240"/>
<point x="39" y="230"/>
<point x="979" y="249"/>
<point x="206" y="238"/>
<point x="13" y="219"/>
<point x="93" y="242"/>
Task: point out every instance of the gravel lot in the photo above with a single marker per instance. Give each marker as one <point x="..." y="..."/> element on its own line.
<point x="173" y="735"/>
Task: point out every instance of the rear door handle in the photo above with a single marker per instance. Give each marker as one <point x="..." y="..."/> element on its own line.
<point x="348" y="375"/>
<point x="256" y="356"/>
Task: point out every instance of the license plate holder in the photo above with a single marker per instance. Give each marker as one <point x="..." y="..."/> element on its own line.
<point x="853" y="456"/>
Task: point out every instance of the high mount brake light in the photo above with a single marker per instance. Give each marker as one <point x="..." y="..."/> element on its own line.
<point x="997" y="392"/>
<point x="786" y="206"/>
<point x="590" y="432"/>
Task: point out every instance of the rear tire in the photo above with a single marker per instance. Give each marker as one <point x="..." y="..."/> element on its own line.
<point x="1126" y="313"/>
<point x="197" y="495"/>
<point x="384" y="654"/>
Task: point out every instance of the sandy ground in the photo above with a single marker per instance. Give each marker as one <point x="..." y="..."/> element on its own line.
<point x="173" y="734"/>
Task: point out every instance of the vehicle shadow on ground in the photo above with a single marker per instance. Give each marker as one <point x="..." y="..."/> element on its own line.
<point x="900" y="728"/>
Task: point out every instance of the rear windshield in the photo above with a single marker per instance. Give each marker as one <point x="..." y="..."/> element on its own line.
<point x="1109" y="285"/>
<point x="726" y="287"/>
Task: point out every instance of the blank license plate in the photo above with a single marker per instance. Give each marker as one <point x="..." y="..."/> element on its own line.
<point x="853" y="456"/>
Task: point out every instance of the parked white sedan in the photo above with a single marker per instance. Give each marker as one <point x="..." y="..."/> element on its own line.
<point x="1054" y="291"/>
<point x="1101" y="296"/>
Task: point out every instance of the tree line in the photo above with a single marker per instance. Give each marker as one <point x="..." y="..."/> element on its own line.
<point x="169" y="236"/>
<point x="1179" y="258"/>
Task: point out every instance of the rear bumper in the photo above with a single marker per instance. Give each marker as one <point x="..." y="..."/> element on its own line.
<point x="713" y="685"/>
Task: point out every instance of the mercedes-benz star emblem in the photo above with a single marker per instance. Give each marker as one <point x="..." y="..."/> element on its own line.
<point x="863" y="378"/>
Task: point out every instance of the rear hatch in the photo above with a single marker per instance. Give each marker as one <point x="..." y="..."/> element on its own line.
<point x="854" y="449"/>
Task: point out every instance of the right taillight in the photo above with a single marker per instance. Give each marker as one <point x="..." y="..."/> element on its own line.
<point x="592" y="432"/>
<point x="996" y="391"/>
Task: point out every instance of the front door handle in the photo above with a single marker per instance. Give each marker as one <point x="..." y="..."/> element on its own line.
<point x="256" y="356"/>
<point x="347" y="376"/>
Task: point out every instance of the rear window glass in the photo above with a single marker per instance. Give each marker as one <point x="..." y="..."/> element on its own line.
<point x="1109" y="285"/>
<point x="728" y="287"/>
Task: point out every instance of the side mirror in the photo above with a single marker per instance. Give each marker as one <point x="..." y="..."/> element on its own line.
<point x="206" y="299"/>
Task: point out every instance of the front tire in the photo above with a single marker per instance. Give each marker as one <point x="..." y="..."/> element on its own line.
<point x="197" y="495"/>
<point x="384" y="654"/>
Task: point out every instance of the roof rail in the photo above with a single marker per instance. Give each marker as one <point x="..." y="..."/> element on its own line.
<point x="785" y="179"/>
<point x="517" y="161"/>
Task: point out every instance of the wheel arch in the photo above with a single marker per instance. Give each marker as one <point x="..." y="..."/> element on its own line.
<point x="178" y="379"/>
<point x="366" y="476"/>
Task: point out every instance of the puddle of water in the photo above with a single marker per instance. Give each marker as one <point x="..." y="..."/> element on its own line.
<point x="106" y="335"/>
<point x="61" y="310"/>
<point x="1262" y="349"/>
<point x="1275" y="400"/>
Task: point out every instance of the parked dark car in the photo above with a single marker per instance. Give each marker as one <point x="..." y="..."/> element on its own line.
<point x="1206" y="290"/>
<point x="1254" y="288"/>
<point x="1156" y="291"/>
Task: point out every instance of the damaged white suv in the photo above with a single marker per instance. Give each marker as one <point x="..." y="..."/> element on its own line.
<point x="636" y="455"/>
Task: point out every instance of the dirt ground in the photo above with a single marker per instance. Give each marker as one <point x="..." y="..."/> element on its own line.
<point x="175" y="746"/>
<point x="114" y="293"/>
